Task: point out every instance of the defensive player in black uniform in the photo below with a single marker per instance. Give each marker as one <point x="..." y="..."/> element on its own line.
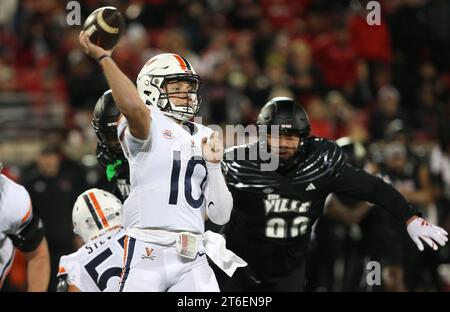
<point x="274" y="211"/>
<point x="109" y="151"/>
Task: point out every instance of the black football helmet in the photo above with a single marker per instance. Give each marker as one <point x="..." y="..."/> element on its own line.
<point x="104" y="122"/>
<point x="287" y="114"/>
<point x="291" y="119"/>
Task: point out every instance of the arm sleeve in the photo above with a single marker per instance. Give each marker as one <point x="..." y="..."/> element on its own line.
<point x="359" y="184"/>
<point x="219" y="201"/>
<point x="30" y="235"/>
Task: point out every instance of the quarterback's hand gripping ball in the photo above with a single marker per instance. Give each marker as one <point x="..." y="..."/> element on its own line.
<point x="212" y="149"/>
<point x="104" y="27"/>
<point x="101" y="31"/>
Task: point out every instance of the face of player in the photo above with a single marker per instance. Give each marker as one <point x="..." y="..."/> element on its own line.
<point x="284" y="146"/>
<point x="181" y="92"/>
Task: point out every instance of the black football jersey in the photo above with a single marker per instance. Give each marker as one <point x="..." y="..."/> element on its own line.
<point x="273" y="214"/>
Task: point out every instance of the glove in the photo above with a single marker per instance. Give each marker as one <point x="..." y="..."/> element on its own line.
<point x="420" y="229"/>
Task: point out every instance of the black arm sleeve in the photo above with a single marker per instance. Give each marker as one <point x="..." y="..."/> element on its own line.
<point x="359" y="184"/>
<point x="29" y="238"/>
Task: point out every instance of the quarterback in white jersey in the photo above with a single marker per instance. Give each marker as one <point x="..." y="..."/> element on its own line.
<point x="169" y="172"/>
<point x="175" y="175"/>
<point x="21" y="228"/>
<point x="97" y="218"/>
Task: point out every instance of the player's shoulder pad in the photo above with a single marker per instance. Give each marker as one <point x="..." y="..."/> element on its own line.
<point x="201" y="130"/>
<point x="156" y="115"/>
<point x="325" y="147"/>
<point x="323" y="155"/>
<point x="241" y="159"/>
<point x="69" y="271"/>
<point x="71" y="264"/>
<point x="77" y="256"/>
<point x="16" y="202"/>
<point x="328" y="146"/>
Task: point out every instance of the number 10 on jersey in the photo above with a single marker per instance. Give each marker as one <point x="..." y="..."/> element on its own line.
<point x="189" y="182"/>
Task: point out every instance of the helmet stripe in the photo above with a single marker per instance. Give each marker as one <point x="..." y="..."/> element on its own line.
<point x="180" y="61"/>
<point x="188" y="65"/>
<point x="92" y="210"/>
<point x="98" y="209"/>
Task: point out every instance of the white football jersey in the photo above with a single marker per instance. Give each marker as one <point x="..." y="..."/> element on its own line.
<point x="97" y="265"/>
<point x="15" y="213"/>
<point x="167" y="174"/>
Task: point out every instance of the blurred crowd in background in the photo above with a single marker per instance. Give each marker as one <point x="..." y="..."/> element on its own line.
<point x="386" y="86"/>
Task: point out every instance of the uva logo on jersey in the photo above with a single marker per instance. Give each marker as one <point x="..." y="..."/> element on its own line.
<point x="148" y="254"/>
<point x="277" y="204"/>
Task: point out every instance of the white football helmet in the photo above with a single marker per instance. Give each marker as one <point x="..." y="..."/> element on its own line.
<point x="95" y="213"/>
<point x="153" y="78"/>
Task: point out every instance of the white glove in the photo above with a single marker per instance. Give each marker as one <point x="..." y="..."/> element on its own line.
<point x="420" y="229"/>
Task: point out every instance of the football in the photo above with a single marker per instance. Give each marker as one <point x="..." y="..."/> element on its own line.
<point x="105" y="27"/>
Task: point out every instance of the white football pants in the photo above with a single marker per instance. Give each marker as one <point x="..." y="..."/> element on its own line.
<point x="150" y="267"/>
